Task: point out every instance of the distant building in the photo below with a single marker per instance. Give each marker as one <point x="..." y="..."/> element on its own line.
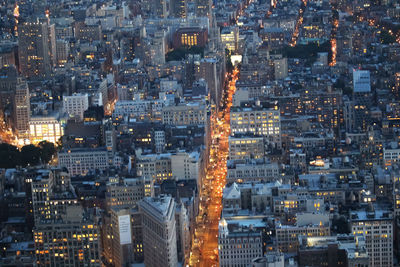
<point x="275" y="37"/>
<point x="88" y="33"/>
<point x="280" y="68"/>
<point x="62" y="52"/>
<point x="159" y="231"/>
<point x="159" y="8"/>
<point x="34" y="49"/>
<point x="208" y="70"/>
<point x="252" y="170"/>
<point x="155" y="167"/>
<point x="22" y="109"/>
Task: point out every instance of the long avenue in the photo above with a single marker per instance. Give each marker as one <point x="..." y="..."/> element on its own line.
<point x="205" y="247"/>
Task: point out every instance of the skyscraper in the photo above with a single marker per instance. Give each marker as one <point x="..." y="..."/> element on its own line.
<point x="159" y="231"/>
<point x="178" y="8"/>
<point x="21" y="108"/>
<point x="362" y="99"/>
<point x="33" y="49"/>
<point x="65" y="233"/>
<point x="207" y="69"/>
<point x="377" y="227"/>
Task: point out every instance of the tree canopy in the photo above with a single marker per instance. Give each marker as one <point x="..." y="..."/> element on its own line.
<point x="11" y="157"/>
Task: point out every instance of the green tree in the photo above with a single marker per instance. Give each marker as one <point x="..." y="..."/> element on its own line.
<point x="47" y="151"/>
<point x="9" y="156"/>
<point x="30" y="154"/>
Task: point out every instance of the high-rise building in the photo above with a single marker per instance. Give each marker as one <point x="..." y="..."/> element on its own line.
<point x="65" y="233"/>
<point x="8" y="84"/>
<point x="248" y="244"/>
<point x="280" y="68"/>
<point x="308" y="224"/>
<point x="230" y="38"/>
<point x="396" y="87"/>
<point x="153" y="166"/>
<point x="22" y="109"/>
<point x="246" y="147"/>
<point x="258" y="120"/>
<point x="207" y="69"/>
<point x="33" y="49"/>
<point x="193" y="114"/>
<point x="122" y="236"/>
<point x="125" y="193"/>
<point x="79" y="161"/>
<point x="159" y="140"/>
<point x="159" y="231"/>
<point x="62" y="52"/>
<point x="361" y="81"/>
<point x="377" y="227"/>
<point x="178" y="8"/>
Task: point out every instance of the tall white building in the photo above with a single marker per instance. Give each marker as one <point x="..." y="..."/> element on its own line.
<point x="159" y="231"/>
<point x="377" y="227"/>
<point x="75" y="105"/>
